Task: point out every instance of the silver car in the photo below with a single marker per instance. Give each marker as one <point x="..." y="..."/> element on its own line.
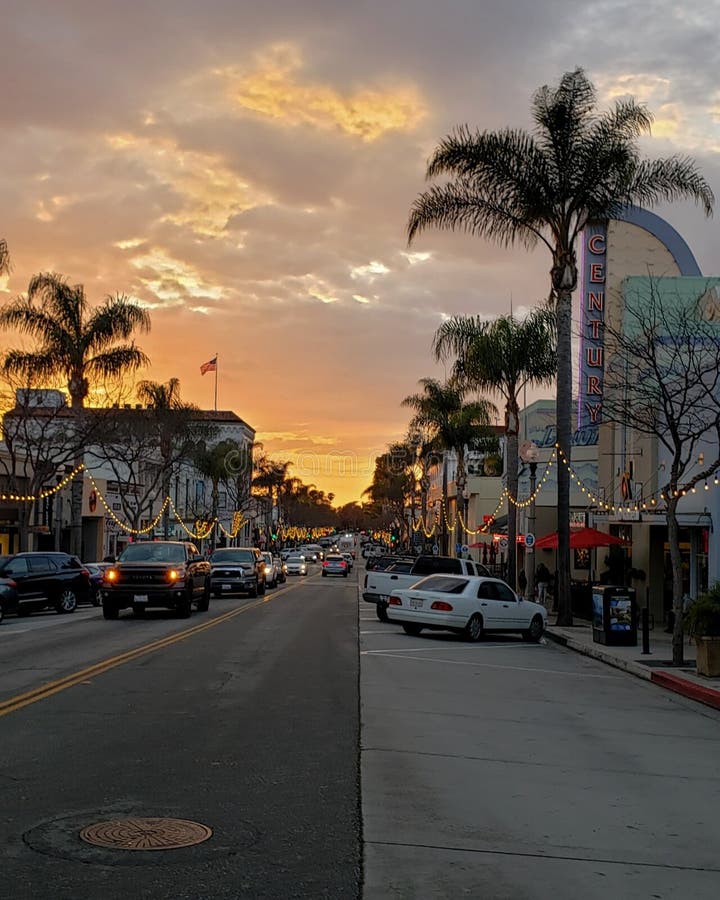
<point x="296" y="565"/>
<point x="334" y="564"/>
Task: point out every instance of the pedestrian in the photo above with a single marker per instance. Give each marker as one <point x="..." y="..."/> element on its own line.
<point x="542" y="577"/>
<point x="522" y="582"/>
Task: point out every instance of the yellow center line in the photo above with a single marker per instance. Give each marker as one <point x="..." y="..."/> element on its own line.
<point x="54" y="687"/>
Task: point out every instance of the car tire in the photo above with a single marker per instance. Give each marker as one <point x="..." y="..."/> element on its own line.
<point x="217" y="594"/>
<point x="411" y="628"/>
<point x="2" y="613"/>
<point x="253" y="592"/>
<point x="381" y="610"/>
<point x="203" y="603"/>
<point x="95" y="599"/>
<point x="184" y="607"/>
<point x="66" y="601"/>
<point x="262" y="588"/>
<point x="535" y="632"/>
<point x="324" y="574"/>
<point x="110" y="611"/>
<point x="345" y="574"/>
<point x="473" y="631"/>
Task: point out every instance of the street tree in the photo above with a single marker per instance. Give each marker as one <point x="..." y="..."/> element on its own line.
<point x="578" y="166"/>
<point x="454" y="425"/>
<point x="662" y="382"/>
<point x="76" y="342"/>
<point x="502" y="356"/>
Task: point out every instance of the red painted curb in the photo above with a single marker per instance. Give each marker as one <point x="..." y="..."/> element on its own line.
<point x="689" y="689"/>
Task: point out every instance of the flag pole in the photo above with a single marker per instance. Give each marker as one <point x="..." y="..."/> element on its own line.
<point x="216" y="371"/>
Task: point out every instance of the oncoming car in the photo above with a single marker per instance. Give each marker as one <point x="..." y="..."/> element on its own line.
<point x="296" y="565"/>
<point x="469" y="605"/>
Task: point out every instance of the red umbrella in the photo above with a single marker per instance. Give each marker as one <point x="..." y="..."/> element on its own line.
<point x="582" y="539"/>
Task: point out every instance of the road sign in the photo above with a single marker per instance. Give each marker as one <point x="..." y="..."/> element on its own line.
<point x="464" y="548"/>
<point x="529" y="540"/>
<point x="459" y="547"/>
<point x="436" y="549"/>
<point x="503" y="544"/>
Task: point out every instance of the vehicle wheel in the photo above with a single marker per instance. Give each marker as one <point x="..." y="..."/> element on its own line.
<point x="217" y="594"/>
<point x="535" y="631"/>
<point x="139" y="610"/>
<point x="411" y="628"/>
<point x="262" y="588"/>
<point x="184" y="607"/>
<point x="255" y="591"/>
<point x="1" y="613"/>
<point x="203" y="603"/>
<point x="474" y="629"/>
<point x="66" y="601"/>
<point x="110" y="611"/>
<point x="95" y="599"/>
<point x="345" y="574"/>
<point x="324" y="574"/>
<point x="381" y="610"/>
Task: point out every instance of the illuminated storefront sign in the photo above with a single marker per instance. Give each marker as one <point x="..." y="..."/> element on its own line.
<point x="592" y="317"/>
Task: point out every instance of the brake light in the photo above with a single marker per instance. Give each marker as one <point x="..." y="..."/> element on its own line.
<point x="325" y="564"/>
<point x="343" y="563"/>
<point x="394" y="601"/>
<point x="11" y="583"/>
<point x="85" y="572"/>
<point x="441" y="605"/>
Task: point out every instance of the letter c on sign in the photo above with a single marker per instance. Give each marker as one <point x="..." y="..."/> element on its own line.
<point x="596" y="244"/>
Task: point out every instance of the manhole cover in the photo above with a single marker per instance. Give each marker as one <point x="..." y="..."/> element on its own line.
<point x="145" y="834"/>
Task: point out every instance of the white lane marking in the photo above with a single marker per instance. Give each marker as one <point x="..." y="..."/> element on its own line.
<point x="455" y="662"/>
<point x="460" y="646"/>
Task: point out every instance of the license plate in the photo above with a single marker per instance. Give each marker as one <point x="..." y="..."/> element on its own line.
<point x="415" y="604"/>
<point x="140" y="598"/>
<point x="226" y="587"/>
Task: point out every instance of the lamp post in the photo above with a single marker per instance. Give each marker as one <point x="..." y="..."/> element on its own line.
<point x="529" y="454"/>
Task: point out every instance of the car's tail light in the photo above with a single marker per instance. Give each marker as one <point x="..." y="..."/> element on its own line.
<point x="85" y="572"/>
<point x="11" y="583"/>
<point x="343" y="563"/>
<point x="326" y="564"/>
<point x="111" y="575"/>
<point x="441" y="605"/>
<point x="394" y="601"/>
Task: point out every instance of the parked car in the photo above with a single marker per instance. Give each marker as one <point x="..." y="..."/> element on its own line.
<point x="335" y="564"/>
<point x="296" y="565"/>
<point x="39" y="580"/>
<point x="96" y="571"/>
<point x="237" y="570"/>
<point x="466" y="604"/>
<point x="165" y="574"/>
<point x="273" y="569"/>
<point x="349" y="559"/>
<point x="282" y="570"/>
<point x="8" y="597"/>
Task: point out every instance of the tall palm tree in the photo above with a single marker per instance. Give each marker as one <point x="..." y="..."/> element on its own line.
<point x="453" y="424"/>
<point x="502" y="356"/>
<point x="4" y="258"/>
<point x="212" y="463"/>
<point x="512" y="186"/>
<point x="76" y="342"/>
<point x="175" y="432"/>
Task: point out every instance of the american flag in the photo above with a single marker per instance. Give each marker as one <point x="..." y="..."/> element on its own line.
<point x="209" y="366"/>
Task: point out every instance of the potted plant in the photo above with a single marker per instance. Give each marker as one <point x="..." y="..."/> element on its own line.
<point x="702" y="620"/>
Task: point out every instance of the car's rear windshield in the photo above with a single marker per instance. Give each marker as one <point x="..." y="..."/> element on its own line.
<point x="428" y="565"/>
<point x="235" y="555"/>
<point x="442" y="584"/>
<point x="150" y="552"/>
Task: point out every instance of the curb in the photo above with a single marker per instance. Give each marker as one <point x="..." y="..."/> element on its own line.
<point x="707" y="695"/>
<point x="634" y="668"/>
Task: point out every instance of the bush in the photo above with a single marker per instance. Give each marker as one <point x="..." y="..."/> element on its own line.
<point x="702" y="619"/>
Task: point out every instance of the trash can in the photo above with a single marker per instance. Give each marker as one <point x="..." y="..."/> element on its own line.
<point x="614" y="615"/>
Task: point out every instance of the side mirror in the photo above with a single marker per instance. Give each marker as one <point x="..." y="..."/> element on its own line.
<point x="197" y="558"/>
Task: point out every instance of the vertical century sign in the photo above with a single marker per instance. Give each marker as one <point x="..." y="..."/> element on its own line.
<point x="592" y="317"/>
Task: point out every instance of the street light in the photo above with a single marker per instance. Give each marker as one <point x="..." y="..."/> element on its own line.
<point x="529" y="453"/>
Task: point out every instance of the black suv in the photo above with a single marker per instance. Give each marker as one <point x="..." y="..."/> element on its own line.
<point x="166" y="574"/>
<point x="38" y="580"/>
<point x="236" y="569"/>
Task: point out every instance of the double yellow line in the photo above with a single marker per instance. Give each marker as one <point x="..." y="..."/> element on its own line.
<point x="54" y="687"/>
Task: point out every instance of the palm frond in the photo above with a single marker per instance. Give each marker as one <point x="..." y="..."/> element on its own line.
<point x="33" y="366"/>
<point x="673" y="178"/>
<point x="116" y="361"/>
<point x="116" y="319"/>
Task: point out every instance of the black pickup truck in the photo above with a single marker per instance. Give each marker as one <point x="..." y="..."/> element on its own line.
<point x="165" y="574"/>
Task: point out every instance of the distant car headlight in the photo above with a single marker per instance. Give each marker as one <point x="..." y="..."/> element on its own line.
<point x="268" y="570"/>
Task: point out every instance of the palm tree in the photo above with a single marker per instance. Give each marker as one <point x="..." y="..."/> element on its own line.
<point x="502" y="356"/>
<point x="212" y="463"/>
<point x="453" y="424"/>
<point x="176" y="431"/>
<point x="511" y="186"/>
<point x="75" y="342"/>
<point x="4" y="258"/>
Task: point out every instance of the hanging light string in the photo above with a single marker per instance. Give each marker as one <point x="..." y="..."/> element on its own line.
<point x="48" y="492"/>
<point x="118" y="521"/>
<point x="521" y="504"/>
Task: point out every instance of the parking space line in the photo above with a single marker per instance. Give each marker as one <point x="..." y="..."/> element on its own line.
<point x="456" y="662"/>
<point x="470" y="647"/>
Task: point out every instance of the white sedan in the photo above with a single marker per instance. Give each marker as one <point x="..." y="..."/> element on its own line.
<point x="467" y="604"/>
<point x="295" y="565"/>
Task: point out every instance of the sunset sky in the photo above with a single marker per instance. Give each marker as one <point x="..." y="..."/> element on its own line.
<point x="245" y="170"/>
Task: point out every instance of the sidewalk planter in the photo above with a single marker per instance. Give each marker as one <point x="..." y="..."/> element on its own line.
<point x="708" y="656"/>
<point x="703" y="622"/>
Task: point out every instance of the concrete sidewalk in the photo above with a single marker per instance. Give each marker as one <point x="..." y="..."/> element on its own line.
<point x="656" y="667"/>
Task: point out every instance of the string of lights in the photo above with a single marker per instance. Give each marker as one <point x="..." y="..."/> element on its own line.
<point x="48" y="492"/>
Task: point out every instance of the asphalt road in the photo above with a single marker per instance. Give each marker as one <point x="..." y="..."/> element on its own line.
<point x="513" y="771"/>
<point x="243" y="719"/>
